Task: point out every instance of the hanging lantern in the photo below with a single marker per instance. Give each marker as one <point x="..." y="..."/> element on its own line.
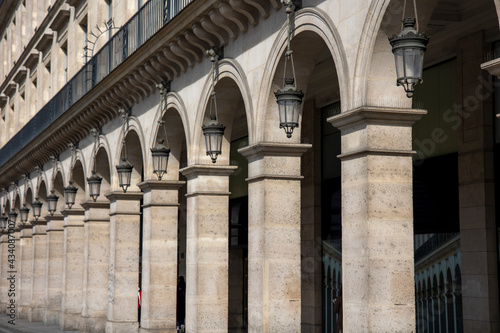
<point x="37" y="208"/>
<point x="12" y="217"/>
<point x="409" y="48"/>
<point x="3" y="222"/>
<point x="289" y="100"/>
<point x="124" y="173"/>
<point x="213" y="132"/>
<point x="94" y="185"/>
<point x="24" y="213"/>
<point x="52" y="202"/>
<point x="70" y="194"/>
<point x="160" y="154"/>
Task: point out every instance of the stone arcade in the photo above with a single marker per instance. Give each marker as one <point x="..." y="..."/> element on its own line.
<point x="389" y="198"/>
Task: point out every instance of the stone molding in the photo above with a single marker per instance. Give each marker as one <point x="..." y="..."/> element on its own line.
<point x="492" y="66"/>
<point x="262" y="149"/>
<point x="373" y="151"/>
<point x="73" y="212"/>
<point x="97" y="204"/>
<point x="194" y="171"/>
<point x="123" y="196"/>
<point x="376" y="115"/>
<point x="55" y="223"/>
<point x="274" y="177"/>
<point x="161" y="185"/>
<point x="173" y="50"/>
<point x="39" y="222"/>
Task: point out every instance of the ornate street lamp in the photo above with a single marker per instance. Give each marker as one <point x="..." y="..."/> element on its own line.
<point x="3" y="222"/>
<point x="24" y="213"/>
<point x="124" y="169"/>
<point x="52" y="198"/>
<point x="37" y="208"/>
<point x="13" y="216"/>
<point x="70" y="194"/>
<point x="94" y="185"/>
<point x="289" y="97"/>
<point x="52" y="202"/>
<point x="70" y="190"/>
<point x="94" y="181"/>
<point x="213" y="130"/>
<point x="409" y="47"/>
<point x="160" y="154"/>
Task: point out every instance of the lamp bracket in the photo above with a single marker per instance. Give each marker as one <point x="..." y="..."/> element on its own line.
<point x="213" y="52"/>
<point x="163" y="87"/>
<point x="297" y="4"/>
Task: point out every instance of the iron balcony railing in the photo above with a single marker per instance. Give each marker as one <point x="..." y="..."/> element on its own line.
<point x="433" y="243"/>
<point x="148" y="20"/>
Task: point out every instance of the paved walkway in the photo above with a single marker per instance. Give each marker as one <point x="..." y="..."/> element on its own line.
<point x="24" y="326"/>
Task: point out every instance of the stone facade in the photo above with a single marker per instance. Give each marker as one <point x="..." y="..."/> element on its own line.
<point x="68" y="68"/>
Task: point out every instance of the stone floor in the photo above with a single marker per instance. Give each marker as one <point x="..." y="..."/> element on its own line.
<point x="24" y="326"/>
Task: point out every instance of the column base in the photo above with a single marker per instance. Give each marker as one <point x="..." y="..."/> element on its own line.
<point x="70" y="321"/>
<point x="93" y="324"/>
<point x="122" y="327"/>
<point x="35" y="314"/>
<point x="51" y="318"/>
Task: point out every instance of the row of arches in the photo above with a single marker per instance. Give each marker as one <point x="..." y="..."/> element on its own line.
<point x="438" y="295"/>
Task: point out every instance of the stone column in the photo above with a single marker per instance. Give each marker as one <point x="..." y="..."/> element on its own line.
<point x="3" y="268"/>
<point x="12" y="273"/>
<point x="476" y="175"/>
<point x="207" y="247"/>
<point x="53" y="273"/>
<point x="377" y="219"/>
<point x="274" y="219"/>
<point x="95" y="267"/>
<point x="38" y="284"/>
<point x="72" y="275"/>
<point x="124" y="240"/>
<point x="26" y="269"/>
<point x="159" y="256"/>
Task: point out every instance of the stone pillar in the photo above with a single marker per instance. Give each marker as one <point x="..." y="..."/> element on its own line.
<point x="72" y="276"/>
<point x="207" y="247"/>
<point x="53" y="273"/>
<point x="26" y="269"/>
<point x="311" y="241"/>
<point x="124" y="241"/>
<point x="38" y="284"/>
<point x="12" y="273"/>
<point x="95" y="267"/>
<point x="377" y="219"/>
<point x="159" y="256"/>
<point x="478" y="226"/>
<point x="274" y="219"/>
<point x="3" y="268"/>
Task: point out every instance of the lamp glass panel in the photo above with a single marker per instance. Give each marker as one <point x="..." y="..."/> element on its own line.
<point x="124" y="178"/>
<point x="94" y="189"/>
<point x="37" y="209"/>
<point x="24" y="214"/>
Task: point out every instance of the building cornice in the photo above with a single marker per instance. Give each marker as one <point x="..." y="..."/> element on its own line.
<point x="173" y="49"/>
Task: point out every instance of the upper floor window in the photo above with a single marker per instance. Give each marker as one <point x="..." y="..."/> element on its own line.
<point x="64" y="50"/>
<point x="109" y="16"/>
